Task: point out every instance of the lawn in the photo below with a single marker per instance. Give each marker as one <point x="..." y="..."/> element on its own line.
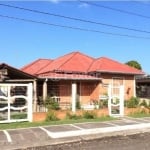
<point x="65" y="121"/>
<point x="139" y="115"/>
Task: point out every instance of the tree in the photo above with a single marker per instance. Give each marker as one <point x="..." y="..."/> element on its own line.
<point x="134" y="64"/>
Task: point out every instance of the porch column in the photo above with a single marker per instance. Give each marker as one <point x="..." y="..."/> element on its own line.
<point x="109" y="99"/>
<point x="34" y="95"/>
<point x="45" y="89"/>
<point x="74" y="93"/>
<point x="134" y="87"/>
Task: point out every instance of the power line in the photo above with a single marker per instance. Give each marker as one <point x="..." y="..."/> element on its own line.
<point x="115" y="9"/>
<point x="76" y="19"/>
<point x="71" y="27"/>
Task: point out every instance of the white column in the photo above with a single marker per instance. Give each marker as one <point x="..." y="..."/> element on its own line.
<point x="134" y="87"/>
<point x="109" y="99"/>
<point x="45" y="89"/>
<point x="122" y="100"/>
<point x="30" y="102"/>
<point x="8" y="96"/>
<point x="34" y="95"/>
<point x="74" y="93"/>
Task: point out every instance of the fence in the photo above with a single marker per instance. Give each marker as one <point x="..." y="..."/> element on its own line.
<point x="15" y="102"/>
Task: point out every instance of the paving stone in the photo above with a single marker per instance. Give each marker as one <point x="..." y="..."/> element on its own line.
<point x="123" y="123"/>
<point x="61" y="128"/>
<point x="32" y="137"/>
<point x="3" y="137"/>
<point x="92" y="125"/>
<point x="40" y="134"/>
<point x="28" y="135"/>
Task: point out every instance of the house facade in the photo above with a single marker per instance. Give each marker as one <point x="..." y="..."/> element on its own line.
<point x="143" y="87"/>
<point x="78" y="77"/>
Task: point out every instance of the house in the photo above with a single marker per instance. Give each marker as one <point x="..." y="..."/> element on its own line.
<point x="79" y="77"/>
<point x="143" y="86"/>
<point x="15" y="94"/>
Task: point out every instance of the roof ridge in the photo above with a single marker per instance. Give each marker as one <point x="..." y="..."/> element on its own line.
<point x="94" y="59"/>
<point x="44" y="67"/>
<point x="73" y="54"/>
<point x="120" y="63"/>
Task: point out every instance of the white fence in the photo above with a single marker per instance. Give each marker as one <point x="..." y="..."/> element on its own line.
<point x="15" y="102"/>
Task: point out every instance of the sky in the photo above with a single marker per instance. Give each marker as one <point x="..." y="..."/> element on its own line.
<point x="22" y="42"/>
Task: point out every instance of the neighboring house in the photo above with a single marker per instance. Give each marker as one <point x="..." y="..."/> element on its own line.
<point x="9" y="74"/>
<point x="16" y="94"/>
<point x="78" y="77"/>
<point x="143" y="86"/>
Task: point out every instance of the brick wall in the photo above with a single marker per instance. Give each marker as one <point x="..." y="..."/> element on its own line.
<point x="128" y="81"/>
<point x="91" y="90"/>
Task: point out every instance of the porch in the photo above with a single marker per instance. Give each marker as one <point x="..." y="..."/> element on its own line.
<point x="67" y="93"/>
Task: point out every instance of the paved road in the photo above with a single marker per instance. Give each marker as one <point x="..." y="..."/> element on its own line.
<point x="131" y="142"/>
<point x="80" y="136"/>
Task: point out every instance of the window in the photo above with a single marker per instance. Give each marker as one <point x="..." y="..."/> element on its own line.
<point x="116" y="83"/>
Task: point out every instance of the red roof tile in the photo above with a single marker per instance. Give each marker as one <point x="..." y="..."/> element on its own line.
<point x="78" y="62"/>
<point x="34" y="67"/>
<point x="108" y="65"/>
<point x="74" y="61"/>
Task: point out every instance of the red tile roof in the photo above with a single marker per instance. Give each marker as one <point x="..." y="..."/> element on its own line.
<point x="75" y="61"/>
<point x="35" y="67"/>
<point x="78" y="62"/>
<point x="108" y="65"/>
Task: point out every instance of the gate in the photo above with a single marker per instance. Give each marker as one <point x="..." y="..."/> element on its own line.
<point x="15" y="102"/>
<point x="116" y="100"/>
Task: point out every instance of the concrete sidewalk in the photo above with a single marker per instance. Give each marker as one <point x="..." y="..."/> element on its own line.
<point x="58" y="134"/>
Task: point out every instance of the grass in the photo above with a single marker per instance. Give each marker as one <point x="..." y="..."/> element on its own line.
<point x="19" y="116"/>
<point x="37" y="124"/>
<point x="66" y="121"/>
<point x="139" y="115"/>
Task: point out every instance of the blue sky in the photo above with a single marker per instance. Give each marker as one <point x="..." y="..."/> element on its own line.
<point x="23" y="42"/>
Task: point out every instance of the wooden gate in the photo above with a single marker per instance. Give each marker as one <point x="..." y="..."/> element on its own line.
<point x="15" y="102"/>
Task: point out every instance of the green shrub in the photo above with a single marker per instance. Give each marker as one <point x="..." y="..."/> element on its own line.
<point x="141" y="113"/>
<point x="125" y="103"/>
<point x="73" y="116"/>
<point x="103" y="103"/>
<point x="50" y="104"/>
<point x="144" y="103"/>
<point x="133" y="102"/>
<point x="89" y="115"/>
<point x="78" y="105"/>
<point x="51" y="116"/>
